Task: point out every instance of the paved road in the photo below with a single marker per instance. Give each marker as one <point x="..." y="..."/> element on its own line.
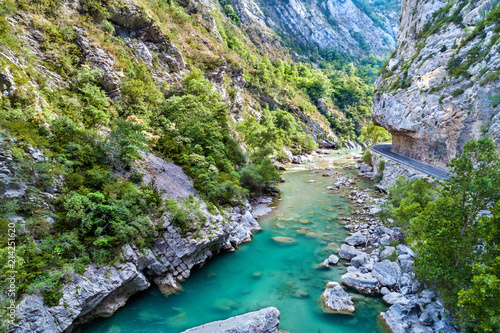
<point x="384" y="149"/>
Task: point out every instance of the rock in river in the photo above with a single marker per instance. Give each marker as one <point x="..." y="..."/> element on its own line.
<point x="262" y="321"/>
<point x="331" y="260"/>
<point x="284" y="240"/>
<point x="336" y="299"/>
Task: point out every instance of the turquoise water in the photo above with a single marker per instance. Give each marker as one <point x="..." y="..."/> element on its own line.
<point x="263" y="272"/>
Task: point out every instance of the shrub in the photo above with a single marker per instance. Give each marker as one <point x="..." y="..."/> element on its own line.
<point x="136" y="177"/>
<point x="186" y="214"/>
<point x="457" y="92"/>
<point x="381" y="166"/>
<point x="367" y="158"/>
<point x="96" y="9"/>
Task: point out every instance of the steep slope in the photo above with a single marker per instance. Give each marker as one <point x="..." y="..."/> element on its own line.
<point x="440" y="89"/>
<point x="352" y="27"/>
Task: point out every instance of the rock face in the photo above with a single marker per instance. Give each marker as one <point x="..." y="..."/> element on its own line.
<point x="336" y="299"/>
<point x="167" y="176"/>
<point x="349" y="26"/>
<point x="100" y="290"/>
<point x="440" y="89"/>
<point x="11" y="186"/>
<point x="7" y="83"/>
<point x="99" y="58"/>
<point x="135" y="23"/>
<point x="141" y="32"/>
<point x="264" y="321"/>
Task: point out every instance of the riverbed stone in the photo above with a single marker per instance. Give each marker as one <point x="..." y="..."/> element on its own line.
<point x="356" y="239"/>
<point x="331" y="260"/>
<point x="395" y="297"/>
<point x="385" y="240"/>
<point x="388" y="273"/>
<point x="336" y="299"/>
<point x="348" y="252"/>
<point x="384" y="291"/>
<point x="387" y="252"/>
<point x="365" y="283"/>
<point x="359" y="260"/>
<point x="405" y="249"/>
<point x="365" y="168"/>
<point x="284" y="240"/>
<point x="265" y="321"/>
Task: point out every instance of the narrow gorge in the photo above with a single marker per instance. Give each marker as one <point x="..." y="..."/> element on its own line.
<point x="225" y="166"/>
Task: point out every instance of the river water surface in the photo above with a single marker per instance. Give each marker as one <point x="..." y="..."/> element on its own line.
<point x="264" y="272"/>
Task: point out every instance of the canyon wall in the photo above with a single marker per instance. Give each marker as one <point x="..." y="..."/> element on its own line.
<point x="440" y="88"/>
<point x="352" y="27"/>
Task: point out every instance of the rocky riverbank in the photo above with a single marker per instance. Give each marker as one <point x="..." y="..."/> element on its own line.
<point x="101" y="290"/>
<point x="379" y="264"/>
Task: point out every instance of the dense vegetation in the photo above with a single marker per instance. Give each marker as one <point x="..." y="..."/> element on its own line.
<point x="85" y="196"/>
<point x="458" y="247"/>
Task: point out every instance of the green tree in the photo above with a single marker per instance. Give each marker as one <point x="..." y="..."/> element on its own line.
<point x="374" y="134"/>
<point x="96" y="106"/>
<point x="450" y="233"/>
<point x="407" y="198"/>
<point x="480" y="300"/>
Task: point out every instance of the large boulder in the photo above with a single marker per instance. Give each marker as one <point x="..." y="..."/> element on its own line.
<point x="394" y="297"/>
<point x="397" y="319"/>
<point x="388" y="273"/>
<point x="262" y="321"/>
<point x="359" y="260"/>
<point x="365" y="283"/>
<point x="410" y="316"/>
<point x="336" y="299"/>
<point x="387" y="252"/>
<point x="348" y="252"/>
<point x="356" y="239"/>
<point x="405" y="249"/>
<point x="365" y="168"/>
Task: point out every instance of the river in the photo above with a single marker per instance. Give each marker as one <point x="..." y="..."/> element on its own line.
<point x="264" y="272"/>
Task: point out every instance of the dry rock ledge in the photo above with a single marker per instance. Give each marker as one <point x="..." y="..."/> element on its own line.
<point x="262" y="321"/>
<point x="100" y="291"/>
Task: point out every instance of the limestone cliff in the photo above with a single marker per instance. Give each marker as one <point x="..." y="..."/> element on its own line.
<point x="440" y="88"/>
<point x="352" y="27"/>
